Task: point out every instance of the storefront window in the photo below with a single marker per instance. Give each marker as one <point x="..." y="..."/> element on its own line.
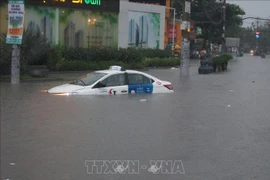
<point x="69" y="27"/>
<point x="81" y="28"/>
<point x="42" y="20"/>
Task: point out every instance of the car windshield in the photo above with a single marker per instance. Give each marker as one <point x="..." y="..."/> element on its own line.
<point x="88" y="79"/>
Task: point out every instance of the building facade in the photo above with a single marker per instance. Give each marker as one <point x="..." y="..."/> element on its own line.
<point x="141" y="25"/>
<point x="73" y="23"/>
<point x="88" y="23"/>
<point x="168" y="25"/>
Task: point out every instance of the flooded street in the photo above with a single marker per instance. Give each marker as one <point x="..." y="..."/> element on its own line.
<point x="218" y="125"/>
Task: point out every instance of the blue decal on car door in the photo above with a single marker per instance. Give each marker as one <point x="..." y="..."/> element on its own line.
<point x="138" y="83"/>
<point x="140" y="88"/>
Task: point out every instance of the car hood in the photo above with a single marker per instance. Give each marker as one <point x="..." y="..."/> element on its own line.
<point x="65" y="88"/>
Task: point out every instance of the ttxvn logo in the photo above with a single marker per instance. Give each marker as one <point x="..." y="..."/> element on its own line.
<point x="134" y="167"/>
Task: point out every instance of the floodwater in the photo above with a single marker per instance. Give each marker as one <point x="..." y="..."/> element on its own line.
<point x="217" y="125"/>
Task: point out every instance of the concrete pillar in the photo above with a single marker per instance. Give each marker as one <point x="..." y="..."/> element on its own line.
<point x="57" y="26"/>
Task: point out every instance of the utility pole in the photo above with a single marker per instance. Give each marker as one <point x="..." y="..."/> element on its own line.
<point x="224" y="27"/>
<point x="14" y="38"/>
<point x="185" y="47"/>
<point x="257" y="41"/>
<point x="15" y="65"/>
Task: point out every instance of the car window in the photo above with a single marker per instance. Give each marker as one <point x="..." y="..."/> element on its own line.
<point x="88" y="79"/>
<point x="138" y="79"/>
<point x="114" y="80"/>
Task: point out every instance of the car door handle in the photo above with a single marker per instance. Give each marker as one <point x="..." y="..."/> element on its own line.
<point x="123" y="91"/>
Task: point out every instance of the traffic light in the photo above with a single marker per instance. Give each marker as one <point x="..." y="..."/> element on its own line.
<point x="257" y="34"/>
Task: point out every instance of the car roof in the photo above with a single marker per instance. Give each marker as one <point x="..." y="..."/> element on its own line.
<point x="109" y="71"/>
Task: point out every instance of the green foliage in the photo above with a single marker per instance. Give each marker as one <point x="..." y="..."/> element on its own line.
<point x="54" y="58"/>
<point x="33" y="49"/>
<point x="5" y="50"/>
<point x="94" y="54"/>
<point x="220" y="63"/>
<point x="85" y="65"/>
<point x="208" y="15"/>
<point x="228" y="57"/>
<point x="129" y="55"/>
<point x="81" y="65"/>
<point x="75" y="59"/>
<point x="152" y="53"/>
<point x="218" y="60"/>
<point x="161" y="62"/>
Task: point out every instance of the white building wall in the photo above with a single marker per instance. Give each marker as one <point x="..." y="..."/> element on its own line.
<point x="123" y="24"/>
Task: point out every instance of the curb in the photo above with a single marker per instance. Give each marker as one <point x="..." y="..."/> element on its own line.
<point x="35" y="80"/>
<point x="74" y="72"/>
<point x="69" y="72"/>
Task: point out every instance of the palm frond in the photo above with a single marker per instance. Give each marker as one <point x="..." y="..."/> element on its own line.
<point x="34" y="46"/>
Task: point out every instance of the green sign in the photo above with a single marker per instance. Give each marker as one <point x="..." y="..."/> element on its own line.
<point x="92" y="2"/>
<point x="97" y="5"/>
<point x="198" y="31"/>
<point x="88" y="2"/>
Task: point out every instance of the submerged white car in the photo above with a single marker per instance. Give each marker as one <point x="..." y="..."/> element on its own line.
<point x="114" y="81"/>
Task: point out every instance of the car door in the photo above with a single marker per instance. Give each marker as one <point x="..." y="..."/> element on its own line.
<point x="113" y="85"/>
<point x="139" y="83"/>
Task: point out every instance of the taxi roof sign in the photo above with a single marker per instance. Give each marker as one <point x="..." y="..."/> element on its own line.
<point x="117" y="68"/>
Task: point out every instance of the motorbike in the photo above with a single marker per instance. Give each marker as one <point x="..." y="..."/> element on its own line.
<point x="262" y="56"/>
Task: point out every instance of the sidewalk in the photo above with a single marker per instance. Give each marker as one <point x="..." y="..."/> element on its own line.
<point x="71" y="75"/>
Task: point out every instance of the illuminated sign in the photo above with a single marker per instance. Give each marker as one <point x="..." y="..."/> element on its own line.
<point x="88" y="2"/>
<point x="99" y="5"/>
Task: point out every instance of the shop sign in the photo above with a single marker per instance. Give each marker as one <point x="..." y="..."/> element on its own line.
<point x="15" y="21"/>
<point x="172" y="31"/>
<point x="87" y="2"/>
<point x="99" y="5"/>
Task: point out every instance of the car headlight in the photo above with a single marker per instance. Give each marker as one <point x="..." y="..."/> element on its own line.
<point x="65" y="94"/>
<point x="61" y="94"/>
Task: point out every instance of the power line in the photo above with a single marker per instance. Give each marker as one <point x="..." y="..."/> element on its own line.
<point x="257" y="18"/>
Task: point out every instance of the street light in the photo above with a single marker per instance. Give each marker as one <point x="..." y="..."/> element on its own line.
<point x="173" y="23"/>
